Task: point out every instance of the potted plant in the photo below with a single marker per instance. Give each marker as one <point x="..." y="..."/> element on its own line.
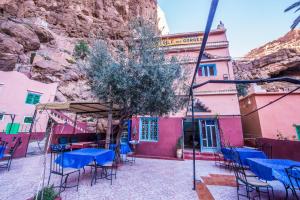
<point x="47" y="193"/>
<point x="179" y="147"/>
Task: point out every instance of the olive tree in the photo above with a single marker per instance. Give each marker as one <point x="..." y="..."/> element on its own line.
<point x="141" y="79"/>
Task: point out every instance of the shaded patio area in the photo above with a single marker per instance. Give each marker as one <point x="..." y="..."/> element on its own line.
<point x="147" y="179"/>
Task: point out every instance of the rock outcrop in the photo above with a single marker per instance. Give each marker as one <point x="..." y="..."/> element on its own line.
<point x="275" y="59"/>
<point x="37" y="37"/>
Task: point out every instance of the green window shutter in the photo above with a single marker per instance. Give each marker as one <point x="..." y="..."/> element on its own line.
<point x="298" y="131"/>
<point x="32" y="98"/>
<point x="36" y="99"/>
<point x="29" y="98"/>
<point x="14" y="128"/>
<point x="28" y="120"/>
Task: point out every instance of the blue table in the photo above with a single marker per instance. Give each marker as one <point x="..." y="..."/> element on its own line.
<point x="271" y="169"/>
<point x="244" y="153"/>
<point x="82" y="157"/>
<point x="125" y="148"/>
<point x="2" y="151"/>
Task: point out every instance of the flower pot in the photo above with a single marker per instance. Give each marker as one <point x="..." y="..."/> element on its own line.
<point x="179" y="153"/>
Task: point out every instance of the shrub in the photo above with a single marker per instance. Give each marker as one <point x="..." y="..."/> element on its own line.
<point x="48" y="193"/>
<point x="81" y="49"/>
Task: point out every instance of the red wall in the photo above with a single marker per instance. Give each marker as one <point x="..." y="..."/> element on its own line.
<point x="170" y="129"/>
<point x="231" y="131"/>
<point x="21" y="151"/>
<point x="290" y="150"/>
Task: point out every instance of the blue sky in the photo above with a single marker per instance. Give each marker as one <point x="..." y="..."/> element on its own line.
<point x="249" y="23"/>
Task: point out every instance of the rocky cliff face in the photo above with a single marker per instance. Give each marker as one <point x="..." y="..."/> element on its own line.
<point x="278" y="58"/>
<point x="37" y="37"/>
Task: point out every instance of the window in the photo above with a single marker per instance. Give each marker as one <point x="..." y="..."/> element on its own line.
<point x="207" y="70"/>
<point x="149" y="129"/>
<point x="1" y="116"/>
<point x="28" y="120"/>
<point x="33" y="98"/>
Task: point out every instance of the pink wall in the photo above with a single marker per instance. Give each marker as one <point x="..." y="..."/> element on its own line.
<point x="277" y="117"/>
<point x="231" y="131"/>
<point x="14" y="87"/>
<point x="280" y="116"/>
<point x="170" y="129"/>
<point x="21" y="151"/>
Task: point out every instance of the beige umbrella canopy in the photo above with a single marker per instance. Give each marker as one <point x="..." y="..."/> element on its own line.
<point x="102" y="109"/>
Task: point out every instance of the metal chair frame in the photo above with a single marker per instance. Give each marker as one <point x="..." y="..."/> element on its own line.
<point x="57" y="152"/>
<point x="11" y="152"/>
<point x="293" y="173"/>
<point x="221" y="161"/>
<point x="241" y="180"/>
<point x="108" y="172"/>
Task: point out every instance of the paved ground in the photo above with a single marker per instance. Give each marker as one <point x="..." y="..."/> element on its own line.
<point x="147" y="179"/>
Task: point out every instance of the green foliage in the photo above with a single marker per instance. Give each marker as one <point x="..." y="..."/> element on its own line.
<point x="48" y="193"/>
<point x="179" y="143"/>
<point x="142" y="80"/>
<point x="242" y="89"/>
<point x="295" y="6"/>
<point x="81" y="49"/>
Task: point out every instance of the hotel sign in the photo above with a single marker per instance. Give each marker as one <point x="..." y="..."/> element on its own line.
<point x="166" y="42"/>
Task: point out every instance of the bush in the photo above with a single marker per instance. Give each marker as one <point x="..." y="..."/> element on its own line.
<point x="48" y="193"/>
<point x="81" y="49"/>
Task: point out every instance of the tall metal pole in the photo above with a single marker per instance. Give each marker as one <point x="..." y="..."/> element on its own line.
<point x="30" y="129"/>
<point x="211" y="15"/>
<point x="12" y="122"/>
<point x="194" y="135"/>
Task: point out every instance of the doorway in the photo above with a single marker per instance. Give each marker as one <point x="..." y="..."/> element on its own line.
<point x="188" y="134"/>
<point x="209" y="135"/>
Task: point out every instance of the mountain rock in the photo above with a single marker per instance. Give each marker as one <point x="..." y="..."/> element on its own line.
<point x="37" y="37"/>
<point x="278" y="58"/>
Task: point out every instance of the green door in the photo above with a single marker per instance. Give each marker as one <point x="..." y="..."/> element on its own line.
<point x="12" y="128"/>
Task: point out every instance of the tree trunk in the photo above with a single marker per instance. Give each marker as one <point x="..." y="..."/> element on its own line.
<point x="118" y="137"/>
<point x="109" y="130"/>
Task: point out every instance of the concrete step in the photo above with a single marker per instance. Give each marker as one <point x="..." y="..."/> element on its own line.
<point x="188" y="155"/>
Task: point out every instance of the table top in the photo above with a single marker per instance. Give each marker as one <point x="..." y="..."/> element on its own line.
<point x="244" y="154"/>
<point x="274" y="163"/>
<point x="124" y="148"/>
<point x="241" y="149"/>
<point x="271" y="169"/>
<point x="82" y="157"/>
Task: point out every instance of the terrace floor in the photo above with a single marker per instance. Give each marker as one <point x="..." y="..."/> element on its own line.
<point x="147" y="179"/>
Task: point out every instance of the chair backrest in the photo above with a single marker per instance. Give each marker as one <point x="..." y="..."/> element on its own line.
<point x="238" y="167"/>
<point x="63" y="140"/>
<point x="293" y="173"/>
<point x="74" y="139"/>
<point x="3" y="145"/>
<point x="101" y="143"/>
<point x="57" y="158"/>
